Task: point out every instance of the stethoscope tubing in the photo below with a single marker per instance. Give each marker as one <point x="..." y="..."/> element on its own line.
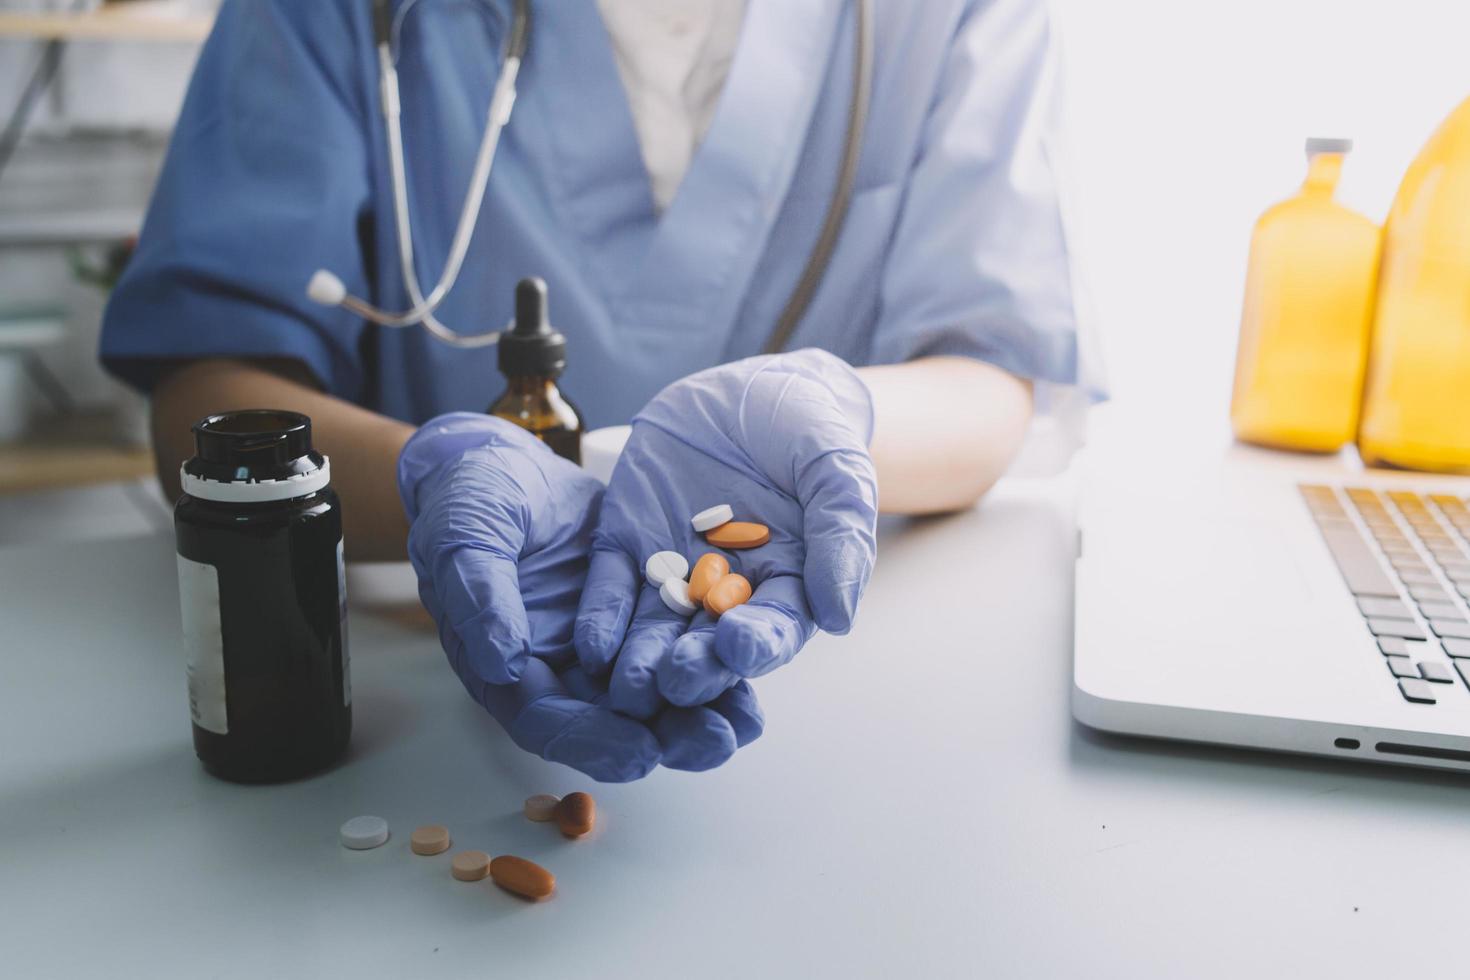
<point x="502" y="100"/>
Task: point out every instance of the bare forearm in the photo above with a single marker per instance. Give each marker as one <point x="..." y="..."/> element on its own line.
<point x="945" y="429"/>
<point x="363" y="445"/>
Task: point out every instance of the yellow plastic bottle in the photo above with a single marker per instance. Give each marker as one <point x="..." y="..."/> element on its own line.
<point x="1308" y="310"/>
<point x="1416" y="403"/>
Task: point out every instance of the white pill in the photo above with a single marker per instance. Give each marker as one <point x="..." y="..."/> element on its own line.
<point x="364" y="833"/>
<point x="675" y="594"/>
<point x="664" y="565"/>
<point x="708" y="520"/>
<point x="541" y="807"/>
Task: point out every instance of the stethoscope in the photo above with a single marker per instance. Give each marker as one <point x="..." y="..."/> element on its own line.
<point x="329" y="290"/>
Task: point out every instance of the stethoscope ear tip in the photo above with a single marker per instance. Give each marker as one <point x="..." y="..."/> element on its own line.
<point x="326" y="289"/>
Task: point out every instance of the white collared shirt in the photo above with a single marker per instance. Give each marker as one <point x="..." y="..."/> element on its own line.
<point x="673" y="56"/>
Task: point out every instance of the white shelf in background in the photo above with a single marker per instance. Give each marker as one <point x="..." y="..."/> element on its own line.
<point x="69" y="228"/>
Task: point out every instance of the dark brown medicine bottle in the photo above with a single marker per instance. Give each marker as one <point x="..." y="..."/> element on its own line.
<point x="532" y="356"/>
<point x="263" y="598"/>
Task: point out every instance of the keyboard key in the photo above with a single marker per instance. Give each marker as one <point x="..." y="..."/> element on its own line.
<point x="1428" y="609"/>
<point x="1407" y="563"/>
<point x="1425" y="577"/>
<point x="1454" y="647"/>
<point x="1436" y="671"/>
<point x="1406" y="628"/>
<point x="1401" y="667"/>
<point x="1463" y="667"/>
<point x="1417" y="691"/>
<point x="1393" y="608"/>
<point x="1456" y="628"/>
<point x="1361" y="571"/>
<point x="1429" y="593"/>
<point x="1397" y="646"/>
<point x="1396" y="546"/>
<point x="1456" y="569"/>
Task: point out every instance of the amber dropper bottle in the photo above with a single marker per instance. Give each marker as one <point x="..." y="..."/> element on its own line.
<point x="532" y="356"/>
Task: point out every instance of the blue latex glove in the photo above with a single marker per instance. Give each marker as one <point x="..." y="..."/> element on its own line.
<point x="499" y="536"/>
<point x="782" y="439"/>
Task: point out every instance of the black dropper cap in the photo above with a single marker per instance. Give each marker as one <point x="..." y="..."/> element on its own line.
<point x="532" y="348"/>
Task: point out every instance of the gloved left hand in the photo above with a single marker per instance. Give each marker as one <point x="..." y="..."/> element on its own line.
<point x="783" y="440"/>
<point x="499" y="536"/>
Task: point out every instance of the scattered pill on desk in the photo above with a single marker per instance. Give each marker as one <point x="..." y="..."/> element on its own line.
<point x="738" y="534"/>
<point x="710" y="568"/>
<point x="664" y="565"/>
<point x="541" y="807"/>
<point x="470" y="865"/>
<point x="713" y="517"/>
<point x="730" y="591"/>
<point x="576" y="815"/>
<point x="675" y="594"/>
<point x="363" y="833"/>
<point x="431" y="839"/>
<point x="524" y="878"/>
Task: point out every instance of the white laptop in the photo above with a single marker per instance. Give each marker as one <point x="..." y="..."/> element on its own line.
<point x="1258" y="599"/>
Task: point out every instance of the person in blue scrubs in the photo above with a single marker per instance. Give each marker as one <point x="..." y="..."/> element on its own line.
<point x="948" y="315"/>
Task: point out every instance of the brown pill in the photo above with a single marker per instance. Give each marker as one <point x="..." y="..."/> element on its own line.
<point x="731" y="591"/>
<point x="470" y="865"/>
<point x="707" y="571"/>
<point x="738" y="534"/>
<point x="525" y="878"/>
<point x="432" y="839"/>
<point x="576" y="814"/>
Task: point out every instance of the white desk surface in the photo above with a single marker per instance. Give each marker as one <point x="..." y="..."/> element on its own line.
<point x="921" y="805"/>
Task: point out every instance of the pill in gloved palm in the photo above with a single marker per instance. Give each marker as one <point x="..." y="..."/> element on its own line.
<point x="363" y="833"/>
<point x="470" y="865"/>
<point x="712" y="517"/>
<point x="664" y="565"/>
<point x="710" y="568"/>
<point x="431" y="839"/>
<point x="524" y="878"/>
<point x="675" y="594"/>
<point x="541" y="807"/>
<point x="730" y="591"/>
<point x="576" y="815"/>
<point x="739" y="534"/>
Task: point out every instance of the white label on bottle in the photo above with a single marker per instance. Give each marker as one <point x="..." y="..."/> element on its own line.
<point x="204" y="644"/>
<point x="342" y="612"/>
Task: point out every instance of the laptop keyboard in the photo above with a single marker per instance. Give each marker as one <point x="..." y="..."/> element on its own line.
<point x="1404" y="557"/>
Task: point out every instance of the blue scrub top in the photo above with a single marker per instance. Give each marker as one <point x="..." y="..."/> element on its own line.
<point x="955" y="242"/>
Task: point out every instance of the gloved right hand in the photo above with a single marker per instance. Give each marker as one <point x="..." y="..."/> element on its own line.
<point x="500" y="532"/>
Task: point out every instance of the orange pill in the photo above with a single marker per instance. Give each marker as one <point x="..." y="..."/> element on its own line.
<point x="525" y="878"/>
<point x="470" y="865"/>
<point x="432" y="839"/>
<point x="731" y="591"/>
<point x="738" y="534"/>
<point x="707" y="571"/>
<point x="576" y="815"/>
